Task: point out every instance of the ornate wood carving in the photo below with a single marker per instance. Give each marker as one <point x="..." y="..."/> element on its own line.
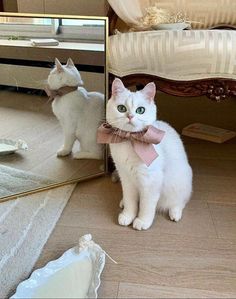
<point x="217" y="89"/>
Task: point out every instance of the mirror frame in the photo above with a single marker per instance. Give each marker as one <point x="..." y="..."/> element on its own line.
<point x="106" y="31"/>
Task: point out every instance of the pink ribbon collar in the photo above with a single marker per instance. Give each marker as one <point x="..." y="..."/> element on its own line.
<point x="52" y="93"/>
<point x="142" y="142"/>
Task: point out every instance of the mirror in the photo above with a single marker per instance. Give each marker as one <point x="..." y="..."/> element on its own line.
<point x="53" y="86"/>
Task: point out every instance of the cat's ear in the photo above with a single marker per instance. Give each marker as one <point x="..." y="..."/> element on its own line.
<point x="149" y="91"/>
<point x="117" y="87"/>
<point x="58" y="65"/>
<point x="70" y="62"/>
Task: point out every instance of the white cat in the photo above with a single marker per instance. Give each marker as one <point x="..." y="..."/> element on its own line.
<point x="78" y="111"/>
<point x="165" y="185"/>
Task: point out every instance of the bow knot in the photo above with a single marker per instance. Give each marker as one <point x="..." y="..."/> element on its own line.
<point x="128" y="135"/>
<point x="142" y="142"/>
<point x="52" y="93"/>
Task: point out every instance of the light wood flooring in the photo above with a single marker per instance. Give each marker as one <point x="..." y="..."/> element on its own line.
<point x="195" y="258"/>
<point x="29" y="117"/>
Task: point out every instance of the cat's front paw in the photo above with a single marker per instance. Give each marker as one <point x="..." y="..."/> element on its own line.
<point x="63" y="152"/>
<point x="125" y="219"/>
<point x="175" y="214"/>
<point x="140" y="224"/>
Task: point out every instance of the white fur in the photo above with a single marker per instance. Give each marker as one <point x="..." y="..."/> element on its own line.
<point x="165" y="185"/>
<point x="79" y="112"/>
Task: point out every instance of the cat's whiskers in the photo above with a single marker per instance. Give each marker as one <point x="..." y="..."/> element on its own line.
<point x="105" y="119"/>
<point x="114" y="122"/>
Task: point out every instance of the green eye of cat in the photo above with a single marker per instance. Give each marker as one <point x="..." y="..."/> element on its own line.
<point x="121" y="108"/>
<point x="140" y="110"/>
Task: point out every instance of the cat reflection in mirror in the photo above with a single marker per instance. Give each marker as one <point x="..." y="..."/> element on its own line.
<point x="149" y="157"/>
<point x="78" y="111"/>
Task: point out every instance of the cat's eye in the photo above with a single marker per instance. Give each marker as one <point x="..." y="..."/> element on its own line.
<point x="140" y="110"/>
<point x="121" y="108"/>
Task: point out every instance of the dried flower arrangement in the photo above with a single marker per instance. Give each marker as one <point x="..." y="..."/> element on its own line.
<point x="155" y="16"/>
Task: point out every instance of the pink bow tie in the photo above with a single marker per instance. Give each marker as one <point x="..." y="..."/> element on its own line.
<point x="51" y="93"/>
<point x="142" y="142"/>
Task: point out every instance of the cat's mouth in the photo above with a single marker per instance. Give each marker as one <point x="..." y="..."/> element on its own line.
<point x="130" y="122"/>
<point x="132" y="127"/>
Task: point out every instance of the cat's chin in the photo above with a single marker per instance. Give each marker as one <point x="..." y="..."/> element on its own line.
<point x="130" y="127"/>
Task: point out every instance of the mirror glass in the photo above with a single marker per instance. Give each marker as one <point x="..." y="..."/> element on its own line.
<point x="52" y="99"/>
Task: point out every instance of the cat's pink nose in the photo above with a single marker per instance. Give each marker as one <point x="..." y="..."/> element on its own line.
<point x="130" y="116"/>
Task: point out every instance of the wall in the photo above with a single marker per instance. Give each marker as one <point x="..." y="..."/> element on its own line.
<point x="10" y="5"/>
<point x="35" y="77"/>
<point x="86" y="54"/>
<point x="71" y="7"/>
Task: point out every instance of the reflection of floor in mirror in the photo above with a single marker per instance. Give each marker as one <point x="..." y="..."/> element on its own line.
<point x="194" y="258"/>
<point x="29" y="117"/>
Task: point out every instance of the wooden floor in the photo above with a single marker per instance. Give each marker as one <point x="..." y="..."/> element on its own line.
<point x="195" y="258"/>
<point x="29" y="117"/>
